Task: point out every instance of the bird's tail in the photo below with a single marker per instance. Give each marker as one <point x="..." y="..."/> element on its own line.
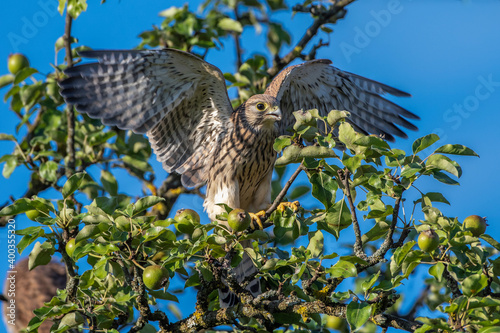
<point x="245" y="268"/>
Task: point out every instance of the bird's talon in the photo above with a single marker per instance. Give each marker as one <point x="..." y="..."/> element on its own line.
<point x="294" y="206"/>
<point x="256" y="219"/>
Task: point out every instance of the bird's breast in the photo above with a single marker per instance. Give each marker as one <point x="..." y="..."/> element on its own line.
<point x="254" y="164"/>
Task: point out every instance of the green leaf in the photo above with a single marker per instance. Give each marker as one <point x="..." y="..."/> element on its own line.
<point x="343" y="269"/>
<point x="379" y="213"/>
<point x="144" y="203"/>
<point x="376" y="232"/>
<point x="109" y="183"/>
<point x="19" y="206"/>
<point x="433" y="197"/>
<point x="193" y="281"/>
<point x="335" y="116"/>
<point x="281" y="142"/>
<point x="337" y="218"/>
<point x="443" y="163"/>
<point x="424" y="142"/>
<point x="482" y="302"/>
<point x="31" y="234"/>
<point x="315" y="243"/>
<point x="444" y="178"/>
<point x="347" y="135"/>
<point x="352" y="162"/>
<point x="6" y="80"/>
<point x="410" y="169"/>
<point x="369" y="283"/>
<point x="270" y="264"/>
<point x="229" y="24"/>
<point x="48" y="171"/>
<point x="137" y="163"/>
<point x="295" y="154"/>
<point x="491" y="329"/>
<point x="170" y="12"/>
<point x="371" y="141"/>
<point x="163" y="295"/>
<point x="358" y="314"/>
<point x="23" y="74"/>
<point x="89" y="231"/>
<point x="437" y="271"/>
<point x="10" y="165"/>
<point x="7" y="137"/>
<point x="324" y="188"/>
<point x="456" y="149"/>
<point x="76" y="7"/>
<point x="72" y="184"/>
<point x="411" y="261"/>
<point x="399" y="256"/>
<point x="487" y="238"/>
<point x="40" y="255"/>
<point x="474" y="284"/>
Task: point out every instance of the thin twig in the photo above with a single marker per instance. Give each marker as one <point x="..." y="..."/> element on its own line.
<point x="358" y="244"/>
<point x="282" y="194"/>
<point x="237" y="41"/>
<point x="285" y="189"/>
<point x="70" y="115"/>
<point x="387" y="244"/>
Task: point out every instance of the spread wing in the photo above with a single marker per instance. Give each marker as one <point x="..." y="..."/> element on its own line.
<point x="178" y="99"/>
<point x="318" y="85"/>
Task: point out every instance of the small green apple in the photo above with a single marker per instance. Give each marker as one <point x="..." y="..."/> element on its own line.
<point x="475" y="224"/>
<point x="428" y="240"/>
<point x="238" y="220"/>
<point x="16" y="62"/>
<point x="155" y="277"/>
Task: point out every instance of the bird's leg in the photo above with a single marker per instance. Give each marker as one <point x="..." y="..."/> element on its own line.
<point x="256" y="219"/>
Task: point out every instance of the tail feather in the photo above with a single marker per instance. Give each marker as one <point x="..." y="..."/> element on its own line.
<point x="245" y="268"/>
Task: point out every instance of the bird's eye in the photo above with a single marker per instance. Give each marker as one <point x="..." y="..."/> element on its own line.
<point x="261" y="106"/>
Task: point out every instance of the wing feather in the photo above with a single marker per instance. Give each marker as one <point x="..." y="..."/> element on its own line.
<point x="178" y="99"/>
<point x="317" y="84"/>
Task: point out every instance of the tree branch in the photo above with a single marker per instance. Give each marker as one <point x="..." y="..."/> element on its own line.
<point x="324" y="15"/>
<point x="387" y="320"/>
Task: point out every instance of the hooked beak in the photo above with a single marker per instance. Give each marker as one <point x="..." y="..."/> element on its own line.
<point x="274" y="113"/>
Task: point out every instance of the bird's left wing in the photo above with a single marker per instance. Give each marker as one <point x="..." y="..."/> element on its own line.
<point x="318" y="85"/>
<point x="178" y="99"/>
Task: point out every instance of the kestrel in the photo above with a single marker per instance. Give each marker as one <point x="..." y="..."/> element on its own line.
<point x="180" y="101"/>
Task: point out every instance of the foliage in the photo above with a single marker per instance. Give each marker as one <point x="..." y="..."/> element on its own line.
<point x="363" y="183"/>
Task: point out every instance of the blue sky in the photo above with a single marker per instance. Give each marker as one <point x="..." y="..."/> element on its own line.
<point x="445" y="53"/>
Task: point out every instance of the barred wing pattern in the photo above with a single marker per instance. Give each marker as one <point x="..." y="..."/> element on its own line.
<point x="178" y="99"/>
<point x="317" y="84"/>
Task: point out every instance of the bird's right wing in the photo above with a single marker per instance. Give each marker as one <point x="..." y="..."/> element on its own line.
<point x="178" y="99"/>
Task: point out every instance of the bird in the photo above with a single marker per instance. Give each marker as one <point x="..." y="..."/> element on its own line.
<point x="181" y="103"/>
<point x="32" y="289"/>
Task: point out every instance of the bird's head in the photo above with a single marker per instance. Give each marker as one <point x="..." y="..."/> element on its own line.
<point x="262" y="111"/>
